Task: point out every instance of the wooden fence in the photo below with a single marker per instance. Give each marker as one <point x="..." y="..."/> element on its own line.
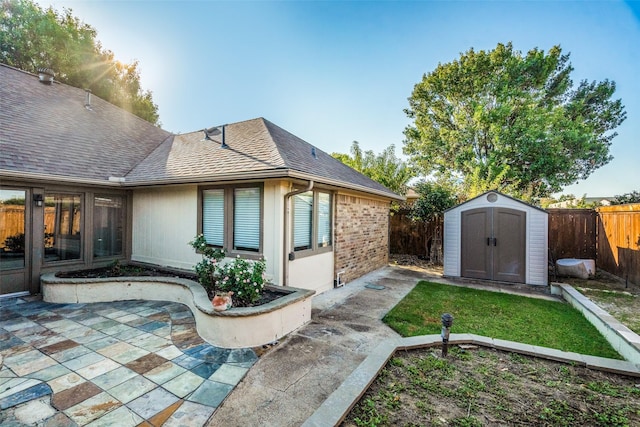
<point x="618" y="240"/>
<point x="572" y="233"/>
<point x="415" y="237"/>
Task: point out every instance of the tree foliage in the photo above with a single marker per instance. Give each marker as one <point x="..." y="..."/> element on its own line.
<point x="33" y="38"/>
<point x="632" y="197"/>
<point x="511" y="122"/>
<point x="433" y="199"/>
<point x="385" y="168"/>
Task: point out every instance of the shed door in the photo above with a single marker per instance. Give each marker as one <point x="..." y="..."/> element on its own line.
<point x="493" y="244"/>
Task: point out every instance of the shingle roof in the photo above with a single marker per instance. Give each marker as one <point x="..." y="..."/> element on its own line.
<point x="46" y="130"/>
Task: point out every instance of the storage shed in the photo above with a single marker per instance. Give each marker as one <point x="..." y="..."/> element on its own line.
<point x="496" y="237"/>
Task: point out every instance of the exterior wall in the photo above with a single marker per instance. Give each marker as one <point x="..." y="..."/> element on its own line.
<point x="536" y="271"/>
<point x="165" y="221"/>
<point x="361" y="235"/>
<point x="312" y="272"/>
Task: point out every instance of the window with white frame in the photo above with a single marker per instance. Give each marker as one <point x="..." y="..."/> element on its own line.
<point x="232" y="218"/>
<point x="312" y="222"/>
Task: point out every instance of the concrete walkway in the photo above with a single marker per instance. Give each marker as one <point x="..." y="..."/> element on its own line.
<point x="291" y="381"/>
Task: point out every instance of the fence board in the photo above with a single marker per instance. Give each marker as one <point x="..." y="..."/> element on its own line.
<point x="572" y="233"/>
<point x="410" y="237"/>
<point x="619" y="241"/>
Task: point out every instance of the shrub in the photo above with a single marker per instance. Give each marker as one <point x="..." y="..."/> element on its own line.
<point x="243" y="277"/>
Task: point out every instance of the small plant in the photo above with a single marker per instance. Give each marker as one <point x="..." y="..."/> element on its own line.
<point x="206" y="269"/>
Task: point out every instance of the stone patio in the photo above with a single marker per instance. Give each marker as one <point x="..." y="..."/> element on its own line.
<point x="123" y="363"/>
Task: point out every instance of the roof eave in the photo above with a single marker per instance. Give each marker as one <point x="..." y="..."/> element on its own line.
<point x="50" y="178"/>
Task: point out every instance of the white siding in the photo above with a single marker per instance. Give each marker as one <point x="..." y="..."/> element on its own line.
<point x="164" y="222"/>
<point x="312" y="272"/>
<point x="536" y="272"/>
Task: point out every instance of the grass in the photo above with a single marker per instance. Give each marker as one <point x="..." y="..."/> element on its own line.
<point x="497" y="315"/>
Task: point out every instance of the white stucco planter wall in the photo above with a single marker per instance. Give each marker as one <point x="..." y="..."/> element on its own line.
<point x="236" y="328"/>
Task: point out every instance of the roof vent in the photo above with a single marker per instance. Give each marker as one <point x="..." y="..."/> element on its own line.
<point x="87" y="99"/>
<point x="213" y="131"/>
<point x="46" y="75"/>
<point x="313" y="152"/>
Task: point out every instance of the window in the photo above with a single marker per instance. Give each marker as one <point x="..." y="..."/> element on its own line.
<point x="232" y="218"/>
<point x="312" y="221"/>
<point x="108" y="225"/>
<point x="62" y="225"/>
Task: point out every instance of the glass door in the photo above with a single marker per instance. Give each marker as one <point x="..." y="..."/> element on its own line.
<point x="14" y="241"/>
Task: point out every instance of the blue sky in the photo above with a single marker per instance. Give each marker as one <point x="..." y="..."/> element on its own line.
<point x="332" y="72"/>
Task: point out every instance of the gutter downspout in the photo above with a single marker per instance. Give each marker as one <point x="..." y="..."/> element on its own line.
<point x="285" y="246"/>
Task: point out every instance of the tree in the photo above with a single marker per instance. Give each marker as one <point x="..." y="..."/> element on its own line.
<point x="384" y="168"/>
<point x="511" y="122"/>
<point x="433" y="199"/>
<point x="632" y="197"/>
<point x="33" y="38"/>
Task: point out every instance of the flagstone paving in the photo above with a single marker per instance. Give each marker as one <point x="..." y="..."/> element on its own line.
<point x="125" y="363"/>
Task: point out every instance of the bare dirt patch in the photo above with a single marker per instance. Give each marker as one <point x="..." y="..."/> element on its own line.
<point x="612" y="294"/>
<point x="479" y="386"/>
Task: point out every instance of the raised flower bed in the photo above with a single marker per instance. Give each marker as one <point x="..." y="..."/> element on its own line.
<point x="239" y="327"/>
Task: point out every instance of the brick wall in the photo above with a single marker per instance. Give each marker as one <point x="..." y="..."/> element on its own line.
<point x="362" y="235"/>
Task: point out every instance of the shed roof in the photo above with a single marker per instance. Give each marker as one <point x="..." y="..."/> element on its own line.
<point x="501" y="194"/>
<point x="47" y="132"/>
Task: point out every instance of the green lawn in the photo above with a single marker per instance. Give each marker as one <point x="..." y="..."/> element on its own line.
<point x="497" y="315"/>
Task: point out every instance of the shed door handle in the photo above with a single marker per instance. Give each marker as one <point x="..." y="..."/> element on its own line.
<point x="488" y="241"/>
<point x="495" y="241"/>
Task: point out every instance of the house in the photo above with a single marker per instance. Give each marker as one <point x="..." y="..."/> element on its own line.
<point x="84" y="183"/>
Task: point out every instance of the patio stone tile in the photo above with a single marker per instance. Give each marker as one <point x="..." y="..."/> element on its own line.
<point x="146" y="363"/>
<point x="185" y="339"/>
<point x="65" y="382"/>
<point x="148" y="312"/>
<point x="49" y="373"/>
<point x="59" y="420"/>
<point x="101" y="342"/>
<point x="187" y="362"/>
<point x="116" y="314"/>
<point x="190" y="414"/>
<point x="115" y="349"/>
<point x="84" y="360"/>
<point x="62" y="325"/>
<point x="132" y="388"/>
<point x="242" y="355"/>
<point x="26" y="363"/>
<point x="152" y="403"/>
<point x="90" y="319"/>
<point x="10" y="343"/>
<point x="79" y="332"/>
<point x="59" y="346"/>
<point x="152" y="326"/>
<point x="21" y="333"/>
<point x="74" y="395"/>
<point x="209" y="353"/>
<point x="161" y="417"/>
<point x="70" y="354"/>
<point x="121" y="417"/>
<point x="229" y="374"/>
<point x="113" y="378"/>
<point x="92" y="408"/>
<point x="206" y="369"/>
<point x="16" y="385"/>
<point x="127" y="317"/>
<point x="46" y="338"/>
<point x="105" y="324"/>
<point x="6" y="372"/>
<point x="129" y="355"/>
<point x="131" y="332"/>
<point x="153" y="343"/>
<point x="164" y="332"/>
<point x="98" y="368"/>
<point x="87" y="336"/>
<point x="34" y="411"/>
<point x="17" y="324"/>
<point x="211" y="393"/>
<point x="17" y="349"/>
<point x="139" y="321"/>
<point x="34" y="392"/>
<point x="117" y="329"/>
<point x="170" y="352"/>
<point x="183" y="384"/>
<point x="163" y="373"/>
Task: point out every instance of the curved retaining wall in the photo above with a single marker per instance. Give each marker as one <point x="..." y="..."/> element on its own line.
<point x="239" y="327"/>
